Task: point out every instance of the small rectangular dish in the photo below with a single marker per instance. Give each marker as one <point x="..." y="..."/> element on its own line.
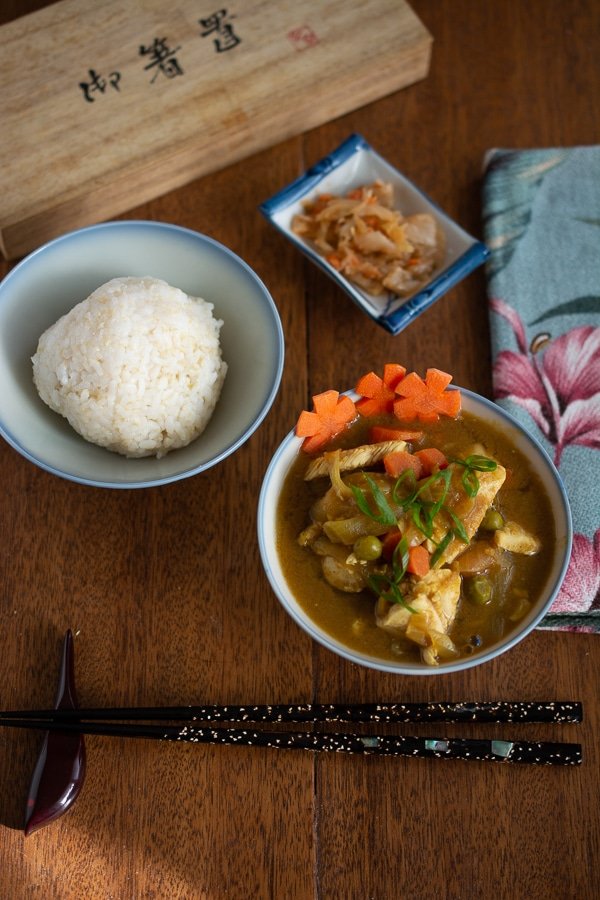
<point x="355" y="164"/>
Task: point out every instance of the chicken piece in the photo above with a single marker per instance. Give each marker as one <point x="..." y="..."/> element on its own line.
<point x="308" y="536"/>
<point x="322" y="546"/>
<point x="433" y="597"/>
<point x="479" y="557"/>
<point x="433" y="601"/>
<point x="347" y="531"/>
<point x="516" y="539"/>
<point x="470" y="510"/>
<point x="343" y="576"/>
<point x="357" y="458"/>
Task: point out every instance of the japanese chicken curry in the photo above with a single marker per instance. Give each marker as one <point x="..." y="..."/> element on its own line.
<point x="419" y="541"/>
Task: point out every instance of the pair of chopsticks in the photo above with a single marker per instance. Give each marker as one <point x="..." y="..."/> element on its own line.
<point x="199" y="727"/>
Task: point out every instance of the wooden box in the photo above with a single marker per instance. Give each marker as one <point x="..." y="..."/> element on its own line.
<point x="105" y="107"/>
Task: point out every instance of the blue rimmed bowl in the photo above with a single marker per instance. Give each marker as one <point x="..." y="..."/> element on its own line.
<point x="355" y="163"/>
<point x="539" y="460"/>
<point x="54" y="278"/>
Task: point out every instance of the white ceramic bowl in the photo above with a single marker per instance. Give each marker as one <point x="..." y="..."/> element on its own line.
<point x="53" y="279"/>
<point x="488" y="411"/>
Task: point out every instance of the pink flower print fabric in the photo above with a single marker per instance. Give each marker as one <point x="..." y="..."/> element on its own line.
<point x="542" y="220"/>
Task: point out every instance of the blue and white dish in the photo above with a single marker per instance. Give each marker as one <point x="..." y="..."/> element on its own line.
<point x="355" y="163"/>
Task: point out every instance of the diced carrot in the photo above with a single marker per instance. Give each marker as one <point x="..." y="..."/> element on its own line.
<point x="378" y="433"/>
<point x="393" y="373"/>
<point x="433" y="460"/>
<point x="378" y="394"/>
<point x="451" y="402"/>
<point x="437" y="380"/>
<point x="399" y="461"/>
<point x="334" y="260"/>
<point x="426" y="399"/>
<point x="356" y="194"/>
<point x="389" y="544"/>
<point x="331" y="413"/>
<point x="418" y="561"/>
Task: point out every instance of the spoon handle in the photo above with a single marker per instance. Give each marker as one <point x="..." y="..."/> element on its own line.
<point x="60" y="768"/>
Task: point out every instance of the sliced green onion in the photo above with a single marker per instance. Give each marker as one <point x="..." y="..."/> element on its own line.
<point x="459" y="528"/>
<point x="407" y="476"/>
<point x="400" y="560"/>
<point x="378" y="583"/>
<point x="385" y="510"/>
<point x="481" y="463"/>
<point x="421" y="519"/>
<point x="470" y="482"/>
<point x="385" y="587"/>
<point x="385" y="516"/>
<point x="441" y="547"/>
<point x="472" y="464"/>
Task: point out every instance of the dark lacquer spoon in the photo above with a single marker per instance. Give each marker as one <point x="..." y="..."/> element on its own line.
<point x="60" y="769"/>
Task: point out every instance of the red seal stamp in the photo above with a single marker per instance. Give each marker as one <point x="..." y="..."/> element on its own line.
<point x="303" y="37"/>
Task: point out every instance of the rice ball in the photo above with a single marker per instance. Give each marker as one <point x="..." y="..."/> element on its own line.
<point x="135" y="368"/>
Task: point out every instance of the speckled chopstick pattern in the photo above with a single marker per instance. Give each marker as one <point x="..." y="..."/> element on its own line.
<point x="472" y="749"/>
<point x="553" y="711"/>
<point x="500" y="711"/>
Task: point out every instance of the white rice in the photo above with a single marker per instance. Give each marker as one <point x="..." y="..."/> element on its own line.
<point x="135" y="368"/>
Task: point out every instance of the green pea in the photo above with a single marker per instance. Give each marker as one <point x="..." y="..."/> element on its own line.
<point x="492" y="521"/>
<point x="479" y="590"/>
<point x="368" y="548"/>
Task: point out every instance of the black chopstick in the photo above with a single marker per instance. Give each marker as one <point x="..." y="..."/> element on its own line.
<point x="472" y="749"/>
<point x="553" y="711"/>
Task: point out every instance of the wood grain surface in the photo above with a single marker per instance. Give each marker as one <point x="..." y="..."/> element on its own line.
<point x="164" y="591"/>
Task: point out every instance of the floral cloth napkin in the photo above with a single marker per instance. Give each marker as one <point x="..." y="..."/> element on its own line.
<point x="542" y="225"/>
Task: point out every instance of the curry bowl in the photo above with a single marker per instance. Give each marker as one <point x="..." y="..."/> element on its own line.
<point x="55" y="278"/>
<point x="348" y="623"/>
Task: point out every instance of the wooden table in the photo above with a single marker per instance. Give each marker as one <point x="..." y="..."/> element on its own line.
<point x="165" y="594"/>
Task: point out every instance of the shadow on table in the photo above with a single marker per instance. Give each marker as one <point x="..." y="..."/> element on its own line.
<point x="19" y="749"/>
<point x="18" y="753"/>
